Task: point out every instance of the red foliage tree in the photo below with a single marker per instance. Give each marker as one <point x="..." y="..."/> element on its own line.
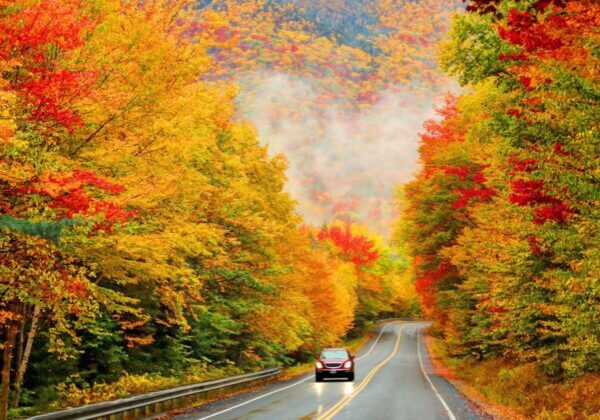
<point x="523" y="29"/>
<point x="485" y="7"/>
<point x="71" y="196"/>
<point x="477" y="190"/>
<point x="31" y="39"/>
<point x="34" y="40"/>
<point x="357" y="248"/>
<point x="547" y="208"/>
<point x="438" y="133"/>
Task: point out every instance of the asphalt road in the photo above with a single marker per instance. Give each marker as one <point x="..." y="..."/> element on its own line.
<point x="394" y="380"/>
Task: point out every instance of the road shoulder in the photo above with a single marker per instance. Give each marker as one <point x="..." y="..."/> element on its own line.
<point x="477" y="402"/>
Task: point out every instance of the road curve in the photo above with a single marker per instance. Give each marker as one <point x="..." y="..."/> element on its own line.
<point x="394" y="380"/>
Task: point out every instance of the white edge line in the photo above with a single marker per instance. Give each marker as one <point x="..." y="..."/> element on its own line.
<point x="448" y="411"/>
<point x="292" y="385"/>
<point x="257" y="398"/>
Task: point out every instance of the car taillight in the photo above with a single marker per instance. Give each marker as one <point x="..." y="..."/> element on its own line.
<point x="319" y="365"/>
<point x="348" y="364"/>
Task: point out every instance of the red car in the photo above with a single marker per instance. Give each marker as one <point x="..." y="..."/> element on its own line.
<point x="334" y="363"/>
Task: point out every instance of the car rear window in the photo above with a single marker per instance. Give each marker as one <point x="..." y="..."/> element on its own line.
<point x="334" y="354"/>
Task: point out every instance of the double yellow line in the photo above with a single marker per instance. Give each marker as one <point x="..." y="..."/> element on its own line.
<point x="344" y="401"/>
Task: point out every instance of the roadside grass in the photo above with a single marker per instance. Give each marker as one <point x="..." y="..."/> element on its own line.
<point x="68" y="395"/>
<point x="509" y="391"/>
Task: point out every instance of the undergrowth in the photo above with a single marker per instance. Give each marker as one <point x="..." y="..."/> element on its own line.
<point x="524" y="390"/>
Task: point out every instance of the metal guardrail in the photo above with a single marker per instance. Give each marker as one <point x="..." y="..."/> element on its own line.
<point x="157" y="402"/>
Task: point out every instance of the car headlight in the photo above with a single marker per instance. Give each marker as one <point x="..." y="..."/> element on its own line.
<point x="348" y="364"/>
<point x="319" y="365"/>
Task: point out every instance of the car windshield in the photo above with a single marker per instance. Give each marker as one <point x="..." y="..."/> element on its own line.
<point x="334" y="354"/>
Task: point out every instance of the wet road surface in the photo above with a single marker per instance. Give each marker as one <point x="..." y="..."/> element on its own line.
<point x="394" y="380"/>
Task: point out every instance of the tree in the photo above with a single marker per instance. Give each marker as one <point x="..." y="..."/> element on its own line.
<point x="520" y="258"/>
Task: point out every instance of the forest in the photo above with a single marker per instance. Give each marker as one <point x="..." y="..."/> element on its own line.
<point x="502" y="220"/>
<point x="147" y="239"/>
<point x="150" y="235"/>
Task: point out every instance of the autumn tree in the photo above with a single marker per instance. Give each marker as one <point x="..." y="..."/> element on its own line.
<point x="43" y="193"/>
<point x="522" y="252"/>
<point x="144" y="226"/>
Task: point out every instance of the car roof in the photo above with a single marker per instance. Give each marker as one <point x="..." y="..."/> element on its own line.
<point x="335" y="349"/>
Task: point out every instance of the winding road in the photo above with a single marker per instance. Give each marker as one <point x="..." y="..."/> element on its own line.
<point x="394" y="380"/>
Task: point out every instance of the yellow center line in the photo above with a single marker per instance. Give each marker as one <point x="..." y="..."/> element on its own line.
<point x="344" y="401"/>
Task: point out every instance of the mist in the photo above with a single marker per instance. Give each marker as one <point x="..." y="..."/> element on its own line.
<point x="344" y="161"/>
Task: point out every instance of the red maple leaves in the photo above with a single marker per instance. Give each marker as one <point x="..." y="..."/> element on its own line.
<point x="557" y="212"/>
<point x="475" y="176"/>
<point x="523" y="29"/>
<point x="69" y="194"/>
<point x="521" y="165"/>
<point x="429" y="275"/>
<point x="35" y="37"/>
<point x="532" y="193"/>
<point x="484" y="7"/>
<point x="31" y="39"/>
<point x="29" y="31"/>
<point x="48" y="96"/>
<point x="357" y="248"/>
<point x="482" y="194"/>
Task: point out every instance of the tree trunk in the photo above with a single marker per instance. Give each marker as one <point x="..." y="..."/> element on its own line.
<point x="21" y="341"/>
<point x="23" y="363"/>
<point x="11" y="336"/>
